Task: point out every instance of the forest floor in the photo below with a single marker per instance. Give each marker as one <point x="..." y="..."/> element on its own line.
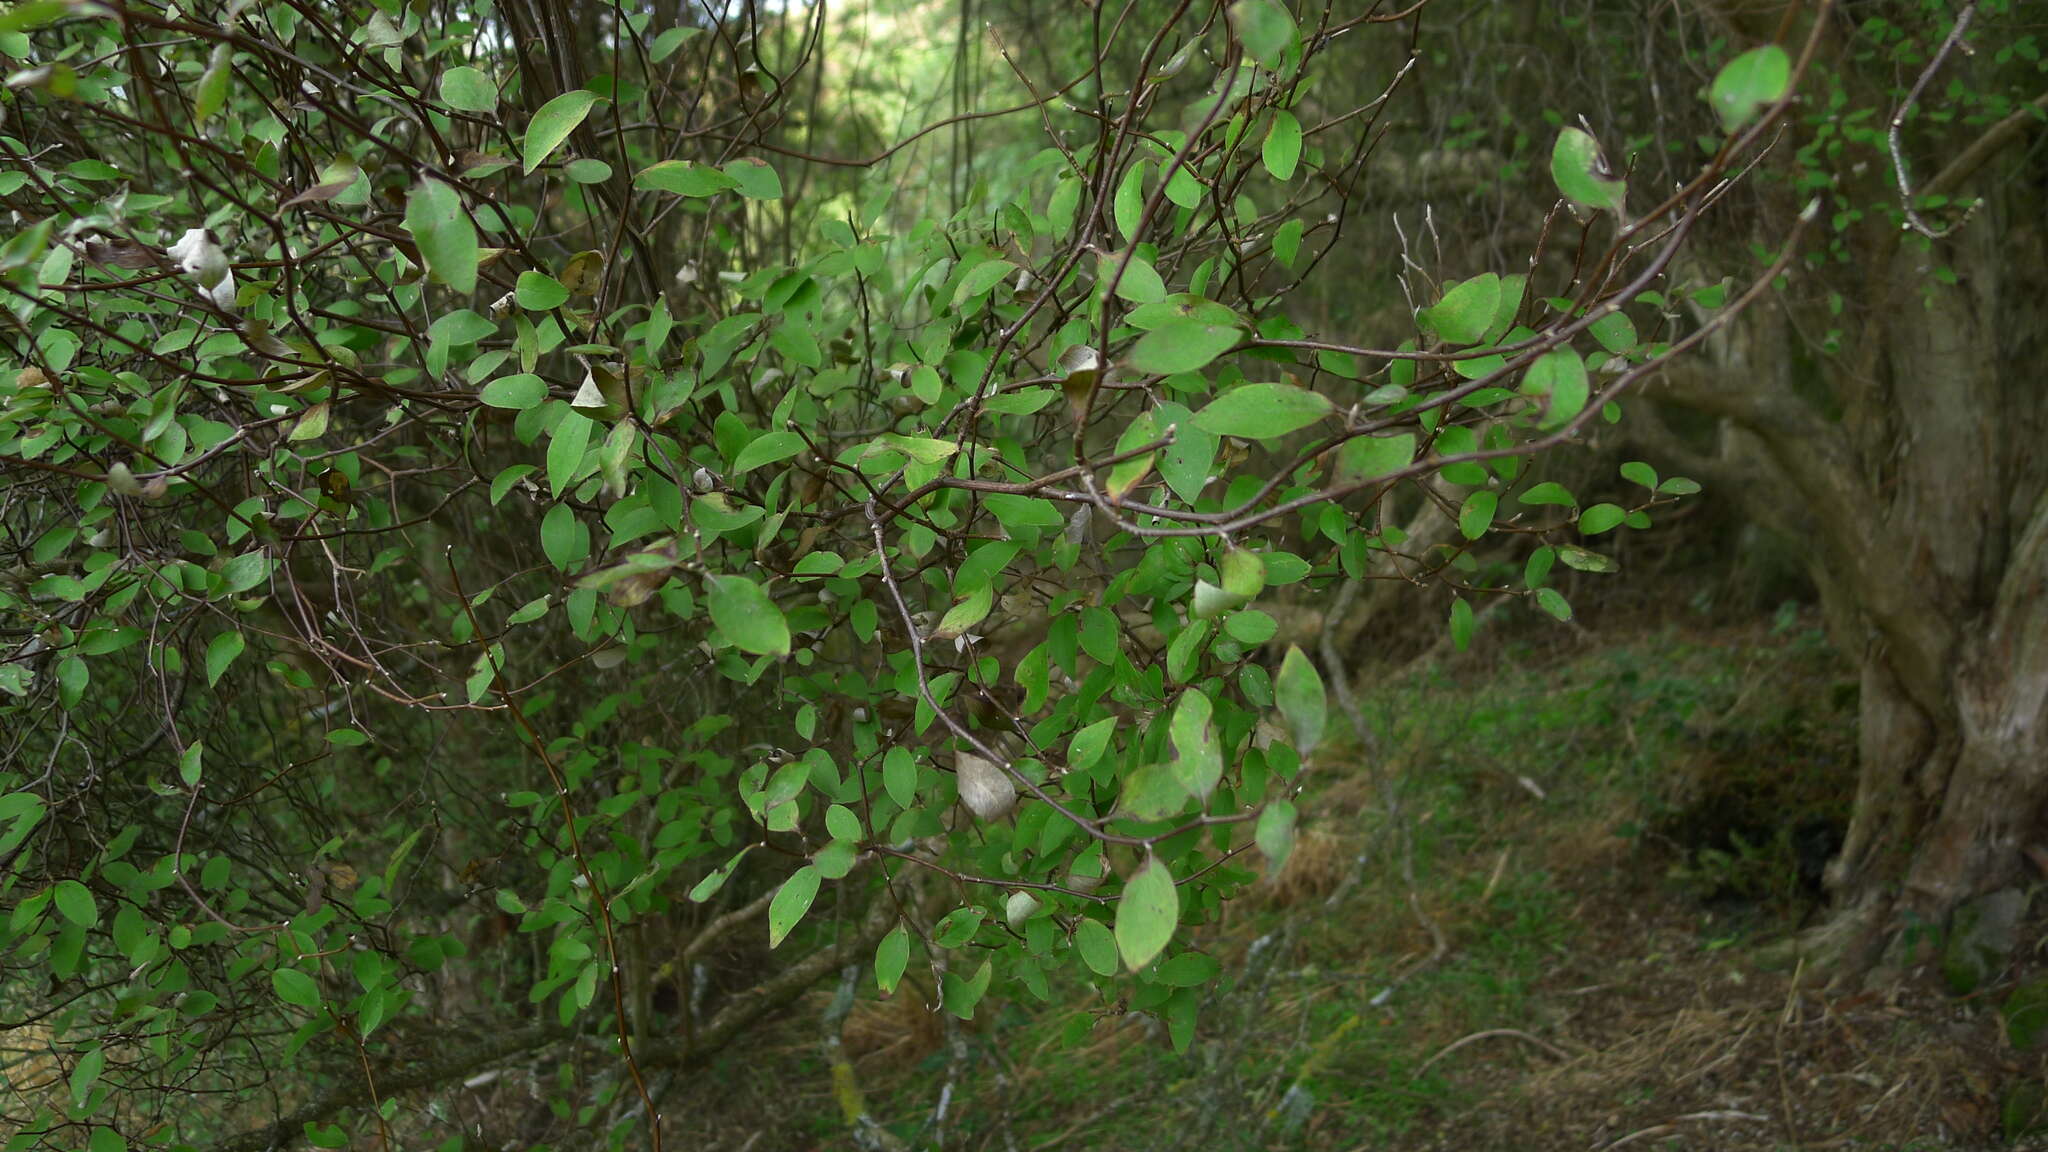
<point x="1530" y="916"/>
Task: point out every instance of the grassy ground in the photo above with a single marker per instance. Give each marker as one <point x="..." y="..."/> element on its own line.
<point x="1523" y="919"/>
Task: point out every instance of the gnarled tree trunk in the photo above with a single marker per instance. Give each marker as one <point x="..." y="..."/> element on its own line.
<point x="1913" y="464"/>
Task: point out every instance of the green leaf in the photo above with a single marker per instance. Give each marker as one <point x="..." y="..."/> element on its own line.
<point x="1259" y="411"/>
<point x="517" y="392"/>
<point x="311" y="424"/>
<point x="708" y="887"/>
<point x="565" y="451"/>
<point x="85" y="1074"/>
<point x="1369" y="457"/>
<point x="1512" y="289"/>
<point x="1265" y="29"/>
<point x="899" y="776"/>
<point x="461" y="326"/>
<point x="106" y="1140"/>
<point x="767" y="449"/>
<point x="665" y="44"/>
<point x="685" y="178"/>
<point x="1583" y="560"/>
<point x="561" y="538"/>
<point x="1282" y="151"/>
<point x="33" y="14"/>
<point x="1616" y="333"/>
<point x="552" y="125"/>
<point x="743" y="611"/>
<point x="1549" y="492"/>
<point x="835" y="859"/>
<point x="1461" y="624"/>
<point x="958" y="927"/>
<point x="985" y="276"/>
<point x="191" y="763"/>
<point x="923" y="449"/>
<point x="1560" y="377"/>
<point x="1600" y="518"/>
<point x="1747" y="83"/>
<point x="1287" y="242"/>
<point x="1298" y="691"/>
<point x="1147" y="914"/>
<point x="1477" y="515"/>
<point x="468" y="90"/>
<point x="1581" y="172"/>
<point x="1140" y="283"/>
<point x="754" y="179"/>
<point x="540" y="292"/>
<point x="443" y="233"/>
<point x="1637" y="472"/>
<point x="892" y="956"/>
<point x="790" y="903"/>
<point x="1243" y="573"/>
<point x="74" y="901"/>
<point x="1553" y="602"/>
<point x="296" y="988"/>
<point x="221" y="651"/>
<point x="965" y="613"/>
<point x="1182" y="346"/>
<point x="1093" y="940"/>
<point x="1466" y="311"/>
<point x="1197" y="757"/>
<point x="1088" y="745"/>
<point x="212" y="90"/>
<point x="1275" y="834"/>
<point x="1129" y="203"/>
<point x="961" y="993"/>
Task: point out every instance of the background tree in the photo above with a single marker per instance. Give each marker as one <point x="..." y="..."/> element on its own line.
<point x="1883" y="410"/>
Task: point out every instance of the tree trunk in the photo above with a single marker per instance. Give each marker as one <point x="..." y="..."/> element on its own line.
<point x="1909" y="463"/>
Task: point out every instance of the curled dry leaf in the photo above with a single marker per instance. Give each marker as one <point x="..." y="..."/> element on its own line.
<point x="121" y="252"/>
<point x="986" y="789"/>
<point x="583" y="273"/>
<point x="1080" y="369"/>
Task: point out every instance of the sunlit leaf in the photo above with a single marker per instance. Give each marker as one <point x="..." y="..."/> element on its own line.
<point x="790" y="902"/>
<point x="1265" y="29"/>
<point x="1282" y="150"/>
<point x="1298" y="690"/>
<point x="753" y="178"/>
<point x="1747" y="83"/>
<point x="747" y="616"/>
<point x="1275" y="834"/>
<point x="443" y="233"/>
<point x="552" y="124"/>
<point x="685" y="178"/>
<point x="1182" y="346"/>
<point x="1466" y="310"/>
<point x="295" y="988"/>
<point x="1582" y="174"/>
<point x="892" y="956"/>
<point x="469" y="90"/>
<point x="1560" y="377"/>
<point x="1259" y="411"/>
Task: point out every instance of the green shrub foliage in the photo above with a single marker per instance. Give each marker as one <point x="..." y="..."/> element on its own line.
<point x="500" y="503"/>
